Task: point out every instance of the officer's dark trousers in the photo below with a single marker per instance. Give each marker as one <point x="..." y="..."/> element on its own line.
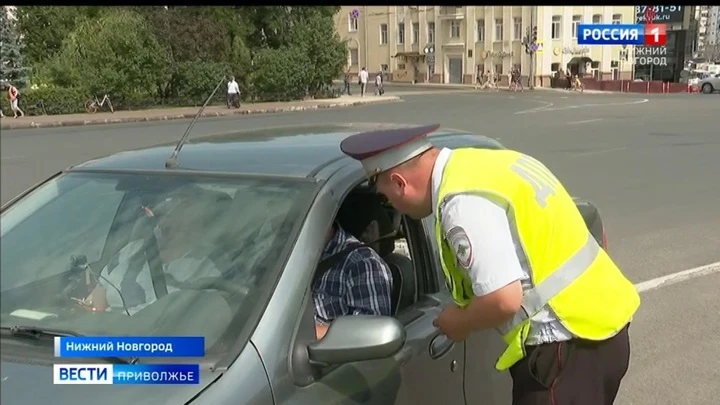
<point x="577" y="372"/>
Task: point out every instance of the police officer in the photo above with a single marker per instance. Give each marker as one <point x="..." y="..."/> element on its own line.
<point x="517" y="257"/>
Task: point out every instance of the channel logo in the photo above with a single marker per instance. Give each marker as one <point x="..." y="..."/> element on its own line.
<point x="622" y="34"/>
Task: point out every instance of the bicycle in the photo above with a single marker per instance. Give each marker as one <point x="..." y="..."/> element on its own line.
<point x="93" y="104"/>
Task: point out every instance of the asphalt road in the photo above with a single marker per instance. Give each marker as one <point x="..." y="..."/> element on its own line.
<point x="650" y="162"/>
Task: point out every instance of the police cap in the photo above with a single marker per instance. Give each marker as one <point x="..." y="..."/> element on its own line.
<point x="384" y="149"/>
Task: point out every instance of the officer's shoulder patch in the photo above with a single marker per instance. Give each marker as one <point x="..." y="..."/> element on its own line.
<point x="460" y="243"/>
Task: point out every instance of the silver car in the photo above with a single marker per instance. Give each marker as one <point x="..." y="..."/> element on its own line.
<point x="709" y="84"/>
<point x="273" y="194"/>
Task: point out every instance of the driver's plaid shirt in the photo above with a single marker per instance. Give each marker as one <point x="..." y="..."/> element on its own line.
<point x="359" y="285"/>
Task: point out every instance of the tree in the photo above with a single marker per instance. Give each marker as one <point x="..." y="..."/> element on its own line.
<point x="116" y="53"/>
<point x="12" y="66"/>
<point x="711" y="53"/>
<point x="44" y="28"/>
<point x="313" y="32"/>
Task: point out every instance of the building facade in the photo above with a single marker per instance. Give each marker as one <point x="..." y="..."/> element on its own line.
<point x="450" y="44"/>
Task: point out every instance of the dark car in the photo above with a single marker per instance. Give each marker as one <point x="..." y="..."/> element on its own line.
<point x="268" y="199"/>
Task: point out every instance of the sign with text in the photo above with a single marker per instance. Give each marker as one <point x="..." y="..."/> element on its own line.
<point x="126" y="374"/>
<point x="622" y="34"/>
<point x="130" y="346"/>
<point x="662" y="14"/>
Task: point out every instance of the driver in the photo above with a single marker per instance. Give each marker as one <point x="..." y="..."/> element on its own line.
<point x="180" y="217"/>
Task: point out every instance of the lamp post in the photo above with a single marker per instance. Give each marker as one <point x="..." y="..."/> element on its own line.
<point x="533" y="47"/>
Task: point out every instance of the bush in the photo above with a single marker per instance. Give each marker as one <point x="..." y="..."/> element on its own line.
<point x="194" y="81"/>
<point x="280" y="75"/>
<point x="56" y="101"/>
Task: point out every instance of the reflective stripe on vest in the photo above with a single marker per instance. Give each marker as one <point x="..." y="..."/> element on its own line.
<point x="536" y="298"/>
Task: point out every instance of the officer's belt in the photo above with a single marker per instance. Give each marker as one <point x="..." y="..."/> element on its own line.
<point x="535" y="299"/>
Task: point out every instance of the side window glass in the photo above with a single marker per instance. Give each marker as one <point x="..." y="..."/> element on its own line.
<point x="77" y="225"/>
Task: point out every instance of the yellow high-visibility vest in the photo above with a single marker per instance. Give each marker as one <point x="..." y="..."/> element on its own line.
<point x="569" y="271"/>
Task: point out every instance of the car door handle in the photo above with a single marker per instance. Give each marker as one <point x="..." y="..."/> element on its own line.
<point x="440" y="345"/>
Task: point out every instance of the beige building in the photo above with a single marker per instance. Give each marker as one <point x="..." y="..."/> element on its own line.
<point x="449" y="44"/>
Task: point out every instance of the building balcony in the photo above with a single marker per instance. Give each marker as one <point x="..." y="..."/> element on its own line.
<point x="451" y="13"/>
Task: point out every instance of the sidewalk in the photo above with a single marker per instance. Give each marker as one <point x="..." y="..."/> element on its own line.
<point x="162" y="114"/>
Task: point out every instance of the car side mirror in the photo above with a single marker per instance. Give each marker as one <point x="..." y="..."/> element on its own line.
<point x="358" y="338"/>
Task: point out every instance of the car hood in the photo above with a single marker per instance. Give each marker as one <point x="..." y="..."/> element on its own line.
<point x="32" y="383"/>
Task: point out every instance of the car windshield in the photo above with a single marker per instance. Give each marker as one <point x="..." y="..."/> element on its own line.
<point x="146" y="254"/>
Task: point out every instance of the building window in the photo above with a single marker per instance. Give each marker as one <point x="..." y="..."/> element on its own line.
<point x="554" y="67"/>
<point x="617" y="19"/>
<point x="498" y="29"/>
<point x="555" y="29"/>
<point x="354" y="59"/>
<point x="517" y="28"/>
<point x="480" y="31"/>
<point x="416" y="33"/>
<point x="576" y="20"/>
<point x="401" y="33"/>
<point x="383" y="34"/>
<point x="597" y="19"/>
<point x="431" y="33"/>
<point x="454" y="29"/>
<point x="352" y="23"/>
<point x="498" y="69"/>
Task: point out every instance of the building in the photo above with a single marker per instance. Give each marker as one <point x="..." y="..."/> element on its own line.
<point x="708" y="37"/>
<point x="449" y="44"/>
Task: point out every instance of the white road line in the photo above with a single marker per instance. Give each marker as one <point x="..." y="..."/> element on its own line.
<point x="536" y="109"/>
<point x="584" y="121"/>
<point x="600" y="151"/>
<point x="678" y="277"/>
<point x="571" y="107"/>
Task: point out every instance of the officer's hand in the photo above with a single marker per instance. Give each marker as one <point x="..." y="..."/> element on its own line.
<point x="452" y="324"/>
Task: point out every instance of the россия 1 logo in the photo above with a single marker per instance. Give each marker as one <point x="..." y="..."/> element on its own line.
<point x="622" y="34"/>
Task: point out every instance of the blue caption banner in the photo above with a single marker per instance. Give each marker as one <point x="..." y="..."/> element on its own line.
<point x="611" y="34"/>
<point x="134" y="346"/>
<point x="126" y="374"/>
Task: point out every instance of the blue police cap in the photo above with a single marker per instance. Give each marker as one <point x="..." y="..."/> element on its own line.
<point x="384" y="149"/>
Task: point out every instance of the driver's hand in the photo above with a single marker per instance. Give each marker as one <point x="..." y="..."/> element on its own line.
<point x="97" y="299"/>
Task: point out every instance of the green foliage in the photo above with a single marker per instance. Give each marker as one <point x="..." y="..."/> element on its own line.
<point x="45" y="27"/>
<point x="116" y="54"/>
<point x="281" y="74"/>
<point x="56" y="101"/>
<point x="315" y="35"/>
<point x="196" y="80"/>
<point x="12" y="64"/>
<point x="175" y="55"/>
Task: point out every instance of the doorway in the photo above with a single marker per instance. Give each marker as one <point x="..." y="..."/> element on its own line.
<point x="455" y="69"/>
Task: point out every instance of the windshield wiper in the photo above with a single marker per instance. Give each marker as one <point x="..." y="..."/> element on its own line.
<point x="37" y="333"/>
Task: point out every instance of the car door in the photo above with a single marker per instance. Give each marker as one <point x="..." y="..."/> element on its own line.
<point x="483" y="383"/>
<point x="432" y="365"/>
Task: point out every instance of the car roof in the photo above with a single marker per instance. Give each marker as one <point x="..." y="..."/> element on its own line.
<point x="290" y="151"/>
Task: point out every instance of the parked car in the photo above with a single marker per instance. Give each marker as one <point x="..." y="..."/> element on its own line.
<point x="276" y="193"/>
<point x="709" y="84"/>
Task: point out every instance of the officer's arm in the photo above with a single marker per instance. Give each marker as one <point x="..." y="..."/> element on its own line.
<point x="479" y="233"/>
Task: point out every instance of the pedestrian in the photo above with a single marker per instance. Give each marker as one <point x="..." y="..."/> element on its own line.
<point x="379" y="91"/>
<point x="363" y="81"/>
<point x="14" y="98"/>
<point x="233" y="93"/>
<point x="346" y="81"/>
<point x="478" y="79"/>
<point x="517" y="257"/>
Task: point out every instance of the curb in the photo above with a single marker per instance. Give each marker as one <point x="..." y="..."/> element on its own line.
<point x="99" y="121"/>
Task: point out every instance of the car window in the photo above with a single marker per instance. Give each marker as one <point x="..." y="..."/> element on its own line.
<point x="167" y="254"/>
<point x="80" y="222"/>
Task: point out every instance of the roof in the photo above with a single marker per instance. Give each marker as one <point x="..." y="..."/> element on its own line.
<point x="293" y="151"/>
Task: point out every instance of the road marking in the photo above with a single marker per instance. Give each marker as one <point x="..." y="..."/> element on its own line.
<point x="584" y="121"/>
<point x="571" y="107"/>
<point x="536" y="109"/>
<point x="678" y="277"/>
<point x="599" y="151"/>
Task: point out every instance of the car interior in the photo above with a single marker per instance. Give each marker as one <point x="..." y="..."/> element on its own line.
<point x="391" y="237"/>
